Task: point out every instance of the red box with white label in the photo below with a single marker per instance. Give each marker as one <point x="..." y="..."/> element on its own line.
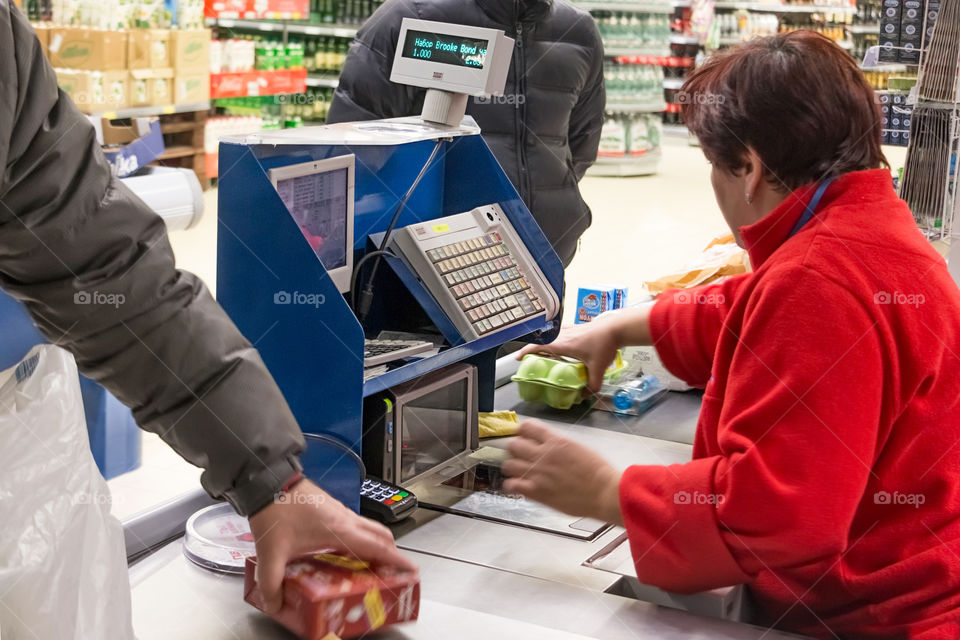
<point x="325" y="593"/>
<point x="270" y="9"/>
<point x="258" y="83"/>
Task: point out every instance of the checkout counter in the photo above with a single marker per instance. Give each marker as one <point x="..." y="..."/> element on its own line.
<point x="479" y="579"/>
<point x="460" y="258"/>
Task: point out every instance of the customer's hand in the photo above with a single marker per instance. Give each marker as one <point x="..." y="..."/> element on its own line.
<point x="594" y="344"/>
<point x="562" y="474"/>
<point x="309" y="519"/>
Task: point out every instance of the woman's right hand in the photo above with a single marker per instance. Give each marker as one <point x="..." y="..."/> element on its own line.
<point x="594" y="344"/>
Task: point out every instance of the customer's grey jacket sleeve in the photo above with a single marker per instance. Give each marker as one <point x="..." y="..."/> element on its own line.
<point x="365" y="91"/>
<point x="95" y="269"/>
<point x="586" y="120"/>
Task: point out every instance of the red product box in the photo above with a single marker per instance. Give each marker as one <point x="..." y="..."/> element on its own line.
<point x="271" y="9"/>
<point x="325" y="593"/>
<point x="258" y="83"/>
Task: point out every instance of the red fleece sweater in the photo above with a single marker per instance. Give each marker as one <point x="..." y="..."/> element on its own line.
<point x="826" y="467"/>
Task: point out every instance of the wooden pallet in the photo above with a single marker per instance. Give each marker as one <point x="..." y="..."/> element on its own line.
<point x="183" y="139"/>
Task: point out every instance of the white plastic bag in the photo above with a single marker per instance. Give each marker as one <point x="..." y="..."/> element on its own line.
<point x="63" y="568"/>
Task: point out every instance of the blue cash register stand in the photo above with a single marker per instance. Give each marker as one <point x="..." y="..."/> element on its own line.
<point x="265" y="266"/>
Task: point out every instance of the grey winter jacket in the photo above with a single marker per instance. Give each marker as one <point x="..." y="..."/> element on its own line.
<point x="544" y="130"/>
<point x="168" y="350"/>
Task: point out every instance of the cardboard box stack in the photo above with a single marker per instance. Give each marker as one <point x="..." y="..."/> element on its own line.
<point x="142" y="65"/>
<point x="190" y="54"/>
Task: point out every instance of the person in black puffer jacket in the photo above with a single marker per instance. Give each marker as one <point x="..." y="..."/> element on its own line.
<point x="544" y="130"/>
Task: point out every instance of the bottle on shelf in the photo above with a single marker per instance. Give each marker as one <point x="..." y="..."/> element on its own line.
<point x="633" y="83"/>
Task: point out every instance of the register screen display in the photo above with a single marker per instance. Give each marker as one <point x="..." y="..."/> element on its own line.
<point x="436" y="47"/>
<point x="318" y="203"/>
<point x="434" y="429"/>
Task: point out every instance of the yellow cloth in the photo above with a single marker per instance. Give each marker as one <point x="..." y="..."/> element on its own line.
<point x="498" y="423"/>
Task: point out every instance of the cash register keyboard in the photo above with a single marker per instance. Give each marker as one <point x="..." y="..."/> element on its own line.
<point x="486" y="282"/>
<point x="379" y="352"/>
<point x="478" y="270"/>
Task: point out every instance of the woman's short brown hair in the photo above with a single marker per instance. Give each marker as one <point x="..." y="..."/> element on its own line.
<point x="797" y="99"/>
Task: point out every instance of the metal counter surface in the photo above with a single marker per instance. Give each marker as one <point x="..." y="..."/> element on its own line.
<point x="554" y="557"/>
<point x="479" y="579"/>
<point x="535" y="553"/>
<point x="172" y="598"/>
<point x="673" y="419"/>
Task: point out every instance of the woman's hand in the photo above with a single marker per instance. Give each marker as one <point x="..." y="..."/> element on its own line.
<point x="593" y="344"/>
<point x="307" y="519"/>
<point x="562" y="474"/>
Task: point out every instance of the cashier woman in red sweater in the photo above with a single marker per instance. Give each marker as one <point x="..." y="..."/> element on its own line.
<point x="826" y="466"/>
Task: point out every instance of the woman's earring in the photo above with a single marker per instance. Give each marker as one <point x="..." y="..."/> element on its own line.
<point x="748" y="198"/>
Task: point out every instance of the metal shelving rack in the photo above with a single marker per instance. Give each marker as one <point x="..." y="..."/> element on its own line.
<point x="641" y="164"/>
<point x="784" y="8"/>
<point x="323" y="80"/>
<point x="627" y="7"/>
<point x="929" y="178"/>
<point x="285" y="27"/>
<point x="144" y="112"/>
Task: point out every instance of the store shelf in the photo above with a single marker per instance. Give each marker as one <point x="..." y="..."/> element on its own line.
<point x="892" y="67"/>
<point x="672" y="83"/>
<point x="643" y="165"/>
<point x="320" y="80"/>
<point x="635" y="51"/>
<point x="680" y="4"/>
<point x="178" y="151"/>
<point x="334" y="30"/>
<point x="636" y="107"/>
<point x="676" y="130"/>
<point x="863" y="28"/>
<point x="178" y="127"/>
<point x="783" y="8"/>
<point x="731" y="41"/>
<point x="144" y="112"/>
<point x="627" y="7"/>
<point x="676" y="38"/>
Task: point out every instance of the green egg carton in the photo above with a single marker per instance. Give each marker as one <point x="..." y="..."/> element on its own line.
<point x="557" y="382"/>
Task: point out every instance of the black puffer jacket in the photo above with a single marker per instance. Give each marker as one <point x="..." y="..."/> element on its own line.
<point x="544" y="130"/>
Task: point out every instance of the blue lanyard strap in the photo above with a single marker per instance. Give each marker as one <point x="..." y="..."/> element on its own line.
<point x="811" y="207"/>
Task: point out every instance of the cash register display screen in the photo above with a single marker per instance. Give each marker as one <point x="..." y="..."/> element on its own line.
<point x="318" y="203"/>
<point x="434" y="429"/>
<point x="437" y="47"/>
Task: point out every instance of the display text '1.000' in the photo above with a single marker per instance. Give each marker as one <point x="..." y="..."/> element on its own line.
<point x="454" y="50"/>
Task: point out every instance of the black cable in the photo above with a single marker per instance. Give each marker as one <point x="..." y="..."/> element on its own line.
<point x="362" y="308"/>
<point x="356" y="273"/>
<point x="406" y="196"/>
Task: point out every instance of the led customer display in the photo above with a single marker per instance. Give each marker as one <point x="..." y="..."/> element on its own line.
<point x="454" y="50"/>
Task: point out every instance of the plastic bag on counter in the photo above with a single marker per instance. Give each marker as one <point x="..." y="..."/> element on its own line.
<point x="63" y="567"/>
<point x="722" y="257"/>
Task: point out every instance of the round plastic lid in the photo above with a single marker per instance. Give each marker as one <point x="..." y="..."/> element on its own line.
<point x="218" y="539"/>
